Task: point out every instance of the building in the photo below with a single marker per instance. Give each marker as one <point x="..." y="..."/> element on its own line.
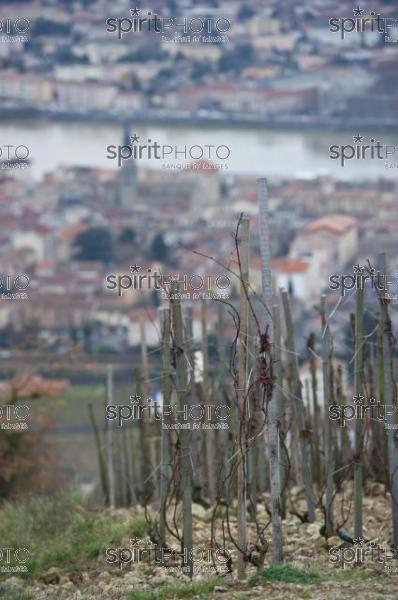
<point x="26" y="89"/>
<point x="84" y="96"/>
<point x="334" y="235"/>
<point x="40" y="240"/>
<point x="300" y="277"/>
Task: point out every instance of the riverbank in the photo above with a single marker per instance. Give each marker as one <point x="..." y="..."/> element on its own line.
<point x="209" y="118"/>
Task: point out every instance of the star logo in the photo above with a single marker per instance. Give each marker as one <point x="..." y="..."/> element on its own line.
<point x="358" y="138"/>
<point x="135" y="11"/>
<point x="358" y="399"/>
<point x="135" y="268"/>
<point x="359" y="541"/>
<point x="135" y="398"/>
<point x="357" y="11"/>
<point x="135" y="541"/>
<point x="134" y="138"/>
<point x="358" y="269"/>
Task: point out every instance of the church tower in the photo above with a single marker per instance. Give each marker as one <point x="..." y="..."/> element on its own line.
<point x="127" y="188"/>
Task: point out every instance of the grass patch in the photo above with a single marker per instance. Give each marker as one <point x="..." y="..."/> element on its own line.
<point x="15" y="596"/>
<point x="62" y="532"/>
<point x="285" y="574"/>
<point x="183" y="590"/>
<point x="344" y="575"/>
<point x="71" y="408"/>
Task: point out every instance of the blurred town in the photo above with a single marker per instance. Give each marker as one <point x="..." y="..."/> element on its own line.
<point x="77" y="225"/>
<point x="74" y="228"/>
<point x="271" y="62"/>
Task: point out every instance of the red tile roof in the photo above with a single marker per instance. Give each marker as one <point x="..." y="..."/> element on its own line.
<point x="337" y="224"/>
<point x="289" y="265"/>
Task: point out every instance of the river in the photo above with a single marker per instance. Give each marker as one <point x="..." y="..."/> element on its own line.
<point x="257" y="152"/>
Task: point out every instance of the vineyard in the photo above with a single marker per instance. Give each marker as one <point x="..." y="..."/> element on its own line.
<point x="238" y="479"/>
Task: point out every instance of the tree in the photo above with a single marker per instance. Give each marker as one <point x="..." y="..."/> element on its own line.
<point x="159" y="249"/>
<point x="165" y="73"/>
<point x="246" y="12"/>
<point x="200" y="69"/>
<point x="135" y="83"/>
<point x="127" y="236"/>
<point x="173" y="7"/>
<point x="94" y="244"/>
<point x="126" y="244"/>
<point x="237" y="59"/>
<point x="48" y="27"/>
<point x="66" y="56"/>
<point x="27" y="457"/>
